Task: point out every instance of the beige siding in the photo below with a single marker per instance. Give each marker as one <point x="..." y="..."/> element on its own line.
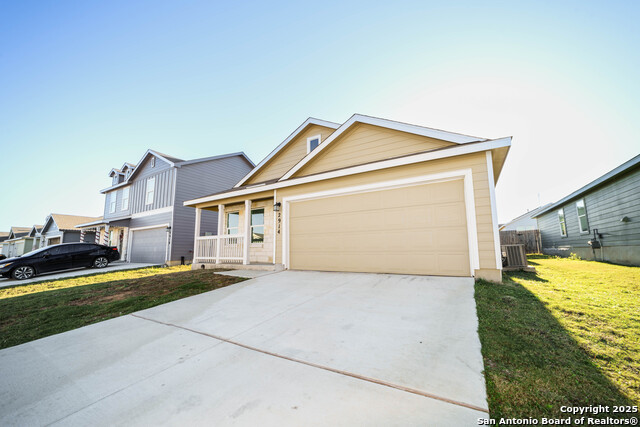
<point x="476" y="162"/>
<point x="418" y="229"/>
<point x="367" y="143"/>
<point x="289" y="155"/>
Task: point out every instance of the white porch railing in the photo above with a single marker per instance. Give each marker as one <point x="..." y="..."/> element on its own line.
<point x="218" y="249"/>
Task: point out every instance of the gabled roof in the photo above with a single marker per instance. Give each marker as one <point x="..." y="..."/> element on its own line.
<point x="628" y="165"/>
<point x="174" y="162"/>
<point x="16" y="232"/>
<point x="303" y="126"/>
<point x="67" y="222"/>
<point x="529" y="214"/>
<point x="35" y="230"/>
<point x="4" y="235"/>
<point x="456" y="138"/>
<point x="115" y="171"/>
<point x="500" y="144"/>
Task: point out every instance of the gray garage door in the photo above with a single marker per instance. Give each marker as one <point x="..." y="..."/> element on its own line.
<point x="149" y="245"/>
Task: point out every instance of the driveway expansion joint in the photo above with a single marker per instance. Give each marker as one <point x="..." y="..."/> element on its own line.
<point x="326" y="368"/>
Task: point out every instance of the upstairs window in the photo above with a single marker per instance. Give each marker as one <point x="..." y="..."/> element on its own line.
<point x="257" y="225"/>
<point x="112" y="202"/>
<point x="125" y="199"/>
<point x="153" y="162"/>
<point x="114" y="180"/>
<point x="563" y="225"/>
<point x="233" y="220"/>
<point x="583" y="223"/>
<point x="312" y="143"/>
<point x="151" y="190"/>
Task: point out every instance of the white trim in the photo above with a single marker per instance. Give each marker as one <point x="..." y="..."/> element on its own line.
<point x="148" y="227"/>
<point x="173" y="211"/>
<point x="61" y="236"/>
<point x="389" y="124"/>
<point x="113" y="201"/>
<point x="275" y="224"/>
<point x="122" y="199"/>
<point x="196" y="233"/>
<point x="309" y="121"/>
<point x="465" y="174"/>
<point x="494" y="210"/>
<point x="247" y="232"/>
<point x="147" y="213"/>
<point x="311" y="138"/>
<point x="383" y="164"/>
<point x="584" y="206"/>
<point x="564" y="221"/>
<point x="146" y="191"/>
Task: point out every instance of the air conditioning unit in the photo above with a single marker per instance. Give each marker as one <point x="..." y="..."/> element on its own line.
<point x="513" y="256"/>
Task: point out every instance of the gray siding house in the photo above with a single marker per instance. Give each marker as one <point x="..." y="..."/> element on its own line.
<point x="61" y="228"/>
<point x="605" y="212"/>
<point x="144" y="214"/>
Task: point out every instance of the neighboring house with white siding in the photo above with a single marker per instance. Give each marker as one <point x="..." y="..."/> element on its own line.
<point x="18" y="242"/>
<point x="144" y="214"/>
<point x="524" y="222"/>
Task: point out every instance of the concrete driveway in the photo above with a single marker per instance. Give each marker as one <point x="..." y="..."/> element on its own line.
<point x="290" y="348"/>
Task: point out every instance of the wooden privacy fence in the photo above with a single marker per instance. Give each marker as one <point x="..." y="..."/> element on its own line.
<point x="530" y="239"/>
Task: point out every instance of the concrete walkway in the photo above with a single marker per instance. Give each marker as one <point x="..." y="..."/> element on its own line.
<point x="118" y="265"/>
<point x="289" y="348"/>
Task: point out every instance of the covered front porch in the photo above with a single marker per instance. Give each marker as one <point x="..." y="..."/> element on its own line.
<point x="109" y="233"/>
<point x="243" y="234"/>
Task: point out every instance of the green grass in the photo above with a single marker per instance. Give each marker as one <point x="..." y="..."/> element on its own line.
<point x="568" y="334"/>
<point x="38" y="310"/>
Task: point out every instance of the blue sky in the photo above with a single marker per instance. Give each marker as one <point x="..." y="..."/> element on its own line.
<point x="86" y="86"/>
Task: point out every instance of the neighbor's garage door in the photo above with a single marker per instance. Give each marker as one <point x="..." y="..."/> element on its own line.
<point x="420" y="229"/>
<point x="149" y="245"/>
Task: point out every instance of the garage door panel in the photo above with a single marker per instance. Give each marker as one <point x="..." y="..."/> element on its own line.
<point x="149" y="246"/>
<point x="413" y="230"/>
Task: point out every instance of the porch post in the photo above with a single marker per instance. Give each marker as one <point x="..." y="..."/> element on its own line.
<point x="96" y="240"/>
<point x="247" y="232"/>
<point x="82" y="233"/>
<point x="196" y="234"/>
<point x="220" y="232"/>
<point x="105" y="238"/>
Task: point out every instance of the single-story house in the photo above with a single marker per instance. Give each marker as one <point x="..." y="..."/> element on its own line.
<point x="60" y="228"/>
<point x="366" y="195"/>
<point x="144" y="215"/>
<point x="4" y="235"/>
<point x="17" y="242"/>
<point x="524" y="222"/>
<point x="605" y="212"/>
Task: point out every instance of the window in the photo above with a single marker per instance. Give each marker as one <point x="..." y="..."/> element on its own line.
<point x="312" y="143"/>
<point x="114" y="181"/>
<point x="583" y="223"/>
<point x="563" y="226"/>
<point x="112" y="202"/>
<point x="233" y="220"/>
<point x="257" y="225"/>
<point x="125" y="199"/>
<point x="151" y="189"/>
<point x="153" y="162"/>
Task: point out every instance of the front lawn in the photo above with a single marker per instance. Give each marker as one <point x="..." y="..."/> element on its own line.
<point x="568" y="334"/>
<point x="29" y="312"/>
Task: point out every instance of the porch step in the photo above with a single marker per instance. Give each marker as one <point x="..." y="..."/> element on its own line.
<point x="259" y="267"/>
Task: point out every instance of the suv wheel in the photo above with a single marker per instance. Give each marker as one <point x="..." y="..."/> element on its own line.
<point x="100" y="262"/>
<point x="23" y="272"/>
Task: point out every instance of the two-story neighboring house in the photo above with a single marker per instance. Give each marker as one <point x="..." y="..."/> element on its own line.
<point x="144" y="214"/>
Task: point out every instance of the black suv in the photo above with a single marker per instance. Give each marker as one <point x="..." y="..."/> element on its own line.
<point x="58" y="257"/>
